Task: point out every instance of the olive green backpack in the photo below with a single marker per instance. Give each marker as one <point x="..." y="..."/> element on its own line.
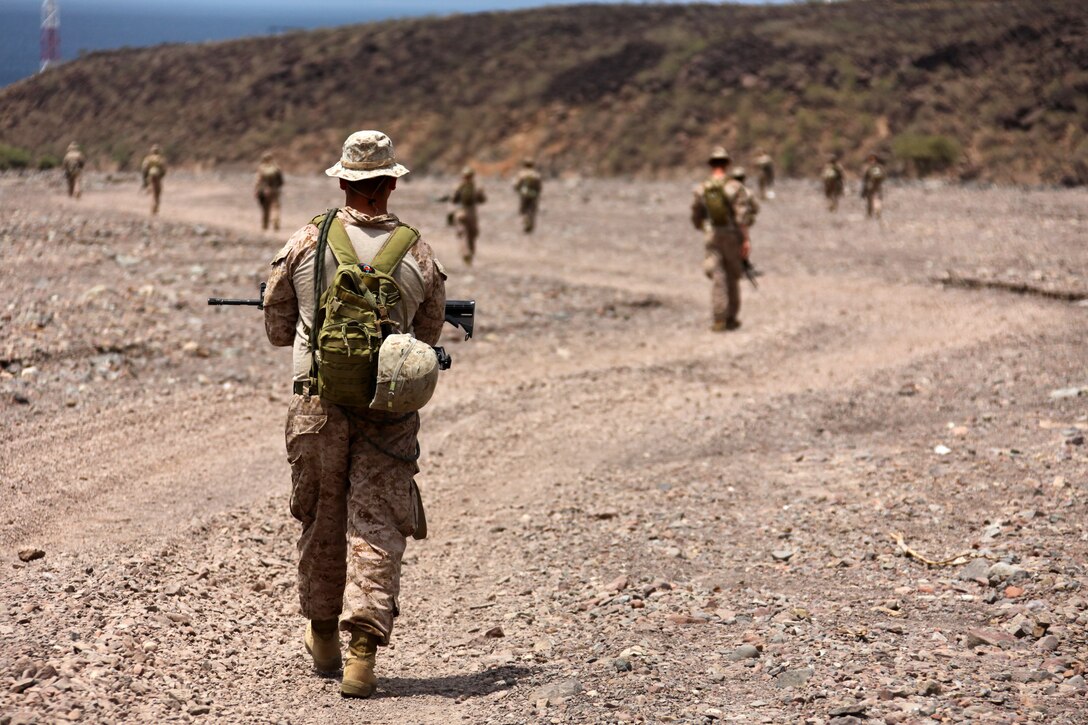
<point x="718" y="204"/>
<point x="351" y="317"/>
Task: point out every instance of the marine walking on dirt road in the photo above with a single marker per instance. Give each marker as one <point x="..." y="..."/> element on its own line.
<point x="834" y="179"/>
<point x="467" y="196"/>
<point x="345" y="282"/>
<point x="872" y="186"/>
<point x="528" y="186"/>
<point x="153" y="169"/>
<point x="765" y="164"/>
<point x="73" y="164"/>
<point x="268" y="189"/>
<point x="724" y="210"/>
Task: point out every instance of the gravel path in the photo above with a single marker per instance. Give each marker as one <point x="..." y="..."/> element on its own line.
<point x="632" y="519"/>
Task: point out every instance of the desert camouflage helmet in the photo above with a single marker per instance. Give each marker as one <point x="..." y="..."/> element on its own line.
<point x="73" y="146"/>
<point x="156" y="149"/>
<point x="738" y="173"/>
<point x="366" y="154"/>
<point x="718" y="154"/>
<point x="468" y="171"/>
<point x="407" y="374"/>
<point x="266" y="156"/>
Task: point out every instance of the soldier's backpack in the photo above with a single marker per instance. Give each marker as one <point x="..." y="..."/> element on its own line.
<point x="718" y="204"/>
<point x="351" y="316"/>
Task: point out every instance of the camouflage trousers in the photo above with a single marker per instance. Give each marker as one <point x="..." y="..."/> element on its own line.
<point x="356" y="508"/>
<point x="723" y="266"/>
<point x="75" y="185"/>
<point x="874" y="204"/>
<point x="833" y="191"/>
<point x="527" y="209"/>
<point x="270" y="208"/>
<point x="154" y="183"/>
<point x="468" y="229"/>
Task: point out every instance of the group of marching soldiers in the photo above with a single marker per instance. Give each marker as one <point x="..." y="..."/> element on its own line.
<point x="723" y="207"/>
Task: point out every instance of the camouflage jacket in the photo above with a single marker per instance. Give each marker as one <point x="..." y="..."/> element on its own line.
<point x="289" y="296"/>
<point x="468" y="195"/>
<point x="872" y="180"/>
<point x="743" y="205"/>
<point x="269" y="178"/>
<point x="73" y="162"/>
<point x="528" y="185"/>
<point x="153" y="165"/>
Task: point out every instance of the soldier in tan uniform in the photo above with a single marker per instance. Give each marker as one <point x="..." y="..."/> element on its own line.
<point x="765" y="164"/>
<point x="834" y="178"/>
<point x="153" y="169"/>
<point x="467" y="196"/>
<point x="528" y="186"/>
<point x="352" y="469"/>
<point x="872" y="186"/>
<point x="269" y="184"/>
<point x="722" y="208"/>
<point x="73" y="164"/>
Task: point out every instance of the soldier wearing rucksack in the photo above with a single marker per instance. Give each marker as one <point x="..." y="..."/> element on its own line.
<point x="872" y="186"/>
<point x="349" y="284"/>
<point x="724" y="209"/>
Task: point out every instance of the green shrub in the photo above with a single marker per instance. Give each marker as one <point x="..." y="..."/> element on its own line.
<point x="13" y="158"/>
<point x="925" y="153"/>
<point x="48" y="161"/>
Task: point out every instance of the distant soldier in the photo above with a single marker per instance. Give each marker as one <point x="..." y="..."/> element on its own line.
<point x="528" y="186"/>
<point x="467" y="196"/>
<point x="154" y="169"/>
<point x="269" y="184"/>
<point x="872" y="186"/>
<point x="834" y="178"/>
<point x="73" y="169"/>
<point x="765" y="164"/>
<point x="723" y="208"/>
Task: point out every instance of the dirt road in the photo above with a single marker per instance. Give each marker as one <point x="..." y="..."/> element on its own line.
<point x="632" y="519"/>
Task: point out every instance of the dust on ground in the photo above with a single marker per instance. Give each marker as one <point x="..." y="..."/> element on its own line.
<point x="632" y="519"/>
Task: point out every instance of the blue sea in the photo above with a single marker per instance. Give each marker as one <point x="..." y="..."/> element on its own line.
<point x="86" y="29"/>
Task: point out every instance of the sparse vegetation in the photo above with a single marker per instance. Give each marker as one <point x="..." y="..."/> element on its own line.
<point x="12" y="157"/>
<point x="631" y="89"/>
<point x="925" y="154"/>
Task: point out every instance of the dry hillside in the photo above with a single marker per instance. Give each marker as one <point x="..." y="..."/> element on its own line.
<point x="996" y="89"/>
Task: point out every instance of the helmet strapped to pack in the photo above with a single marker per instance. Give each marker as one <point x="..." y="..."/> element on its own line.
<point x="351" y="315"/>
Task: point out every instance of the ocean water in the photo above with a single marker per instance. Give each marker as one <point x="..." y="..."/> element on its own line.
<point x="84" y="29"/>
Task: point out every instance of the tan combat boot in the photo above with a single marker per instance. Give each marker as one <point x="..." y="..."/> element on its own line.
<point x="323" y="644"/>
<point x="359" y="679"/>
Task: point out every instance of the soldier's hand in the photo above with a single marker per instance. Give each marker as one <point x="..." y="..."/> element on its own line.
<point x="745" y="249"/>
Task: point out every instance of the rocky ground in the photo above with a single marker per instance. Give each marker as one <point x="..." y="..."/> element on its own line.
<point x="632" y="519"/>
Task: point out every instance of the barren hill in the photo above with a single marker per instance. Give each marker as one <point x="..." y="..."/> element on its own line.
<point x="995" y="89"/>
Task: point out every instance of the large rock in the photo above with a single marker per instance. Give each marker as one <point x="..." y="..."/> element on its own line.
<point x="554" y="693"/>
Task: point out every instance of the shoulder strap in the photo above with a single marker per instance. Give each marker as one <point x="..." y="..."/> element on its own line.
<point x="342" y="248"/>
<point x="395" y="248"/>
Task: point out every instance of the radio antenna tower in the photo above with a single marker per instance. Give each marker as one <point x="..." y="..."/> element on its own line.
<point x="50" y="33"/>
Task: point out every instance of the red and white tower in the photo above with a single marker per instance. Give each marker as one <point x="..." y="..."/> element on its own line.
<point x="50" y="33"/>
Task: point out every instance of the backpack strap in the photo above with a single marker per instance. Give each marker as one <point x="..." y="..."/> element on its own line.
<point x="395" y="248"/>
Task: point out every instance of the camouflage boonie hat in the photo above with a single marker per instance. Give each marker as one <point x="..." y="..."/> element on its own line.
<point x="156" y="149"/>
<point x="266" y="156"/>
<point x="719" y="154"/>
<point x="738" y="173"/>
<point x="407" y="374"/>
<point x="468" y="171"/>
<point x="527" y="162"/>
<point x="366" y="154"/>
<point x="73" y="146"/>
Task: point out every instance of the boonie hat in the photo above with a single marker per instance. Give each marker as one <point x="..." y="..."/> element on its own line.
<point x="407" y="374"/>
<point x="468" y="171"/>
<point x="367" y="154"/>
<point x="719" y="154"/>
<point x="738" y="173"/>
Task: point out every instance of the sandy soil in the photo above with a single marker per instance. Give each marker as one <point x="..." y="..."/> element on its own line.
<point x="632" y="519"/>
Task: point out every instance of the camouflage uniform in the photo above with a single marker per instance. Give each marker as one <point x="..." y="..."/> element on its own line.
<point x="724" y="243"/>
<point x="153" y="169"/>
<point x="872" y="187"/>
<point x="528" y="187"/>
<point x="352" y="470"/>
<point x="765" y="164"/>
<point x="73" y="169"/>
<point x="467" y="196"/>
<point x="834" y="178"/>
<point x="269" y="184"/>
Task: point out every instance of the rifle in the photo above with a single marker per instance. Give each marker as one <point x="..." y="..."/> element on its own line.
<point x="750" y="272"/>
<point x="459" y="313"/>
